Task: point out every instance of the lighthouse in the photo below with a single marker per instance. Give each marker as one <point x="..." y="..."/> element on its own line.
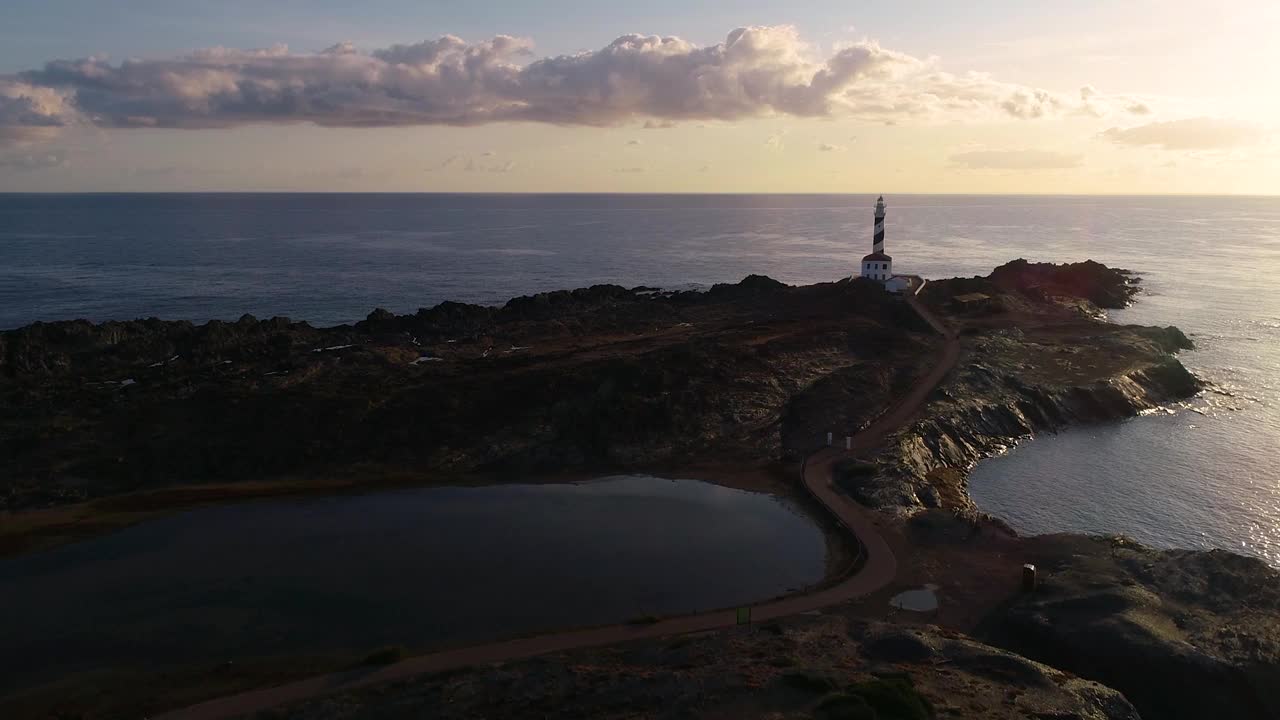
<point x="878" y="266"/>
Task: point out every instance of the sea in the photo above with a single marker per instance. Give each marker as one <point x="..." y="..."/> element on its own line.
<point x="1200" y="474"/>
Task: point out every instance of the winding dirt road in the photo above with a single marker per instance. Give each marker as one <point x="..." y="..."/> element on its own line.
<point x="878" y="570"/>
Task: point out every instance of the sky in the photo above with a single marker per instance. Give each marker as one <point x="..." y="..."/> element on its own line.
<point x="909" y="96"/>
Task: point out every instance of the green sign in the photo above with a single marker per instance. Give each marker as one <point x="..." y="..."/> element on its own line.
<point x="744" y="616"/>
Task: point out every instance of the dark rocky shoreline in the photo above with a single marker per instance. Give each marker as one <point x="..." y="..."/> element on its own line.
<point x="607" y="378"/>
<point x="595" y="379"/>
<point x="991" y="405"/>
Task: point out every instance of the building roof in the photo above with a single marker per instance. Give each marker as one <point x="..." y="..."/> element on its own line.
<point x="876" y="256"/>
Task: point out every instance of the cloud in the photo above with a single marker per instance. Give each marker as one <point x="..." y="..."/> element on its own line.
<point x="756" y="71"/>
<point x="163" y="171"/>
<point x="634" y="142"/>
<point x="1015" y="160"/>
<point x="828" y="147"/>
<point x="31" y="114"/>
<point x="486" y="163"/>
<point x="1095" y="103"/>
<point x="1201" y="133"/>
<point x="1032" y="104"/>
<point x="33" y="161"/>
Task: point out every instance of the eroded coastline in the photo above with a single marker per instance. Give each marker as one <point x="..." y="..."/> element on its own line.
<point x="782" y="366"/>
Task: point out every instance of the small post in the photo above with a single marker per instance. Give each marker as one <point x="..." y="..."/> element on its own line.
<point x="848" y="442"/>
<point x="1028" y="578"/>
<point x="829" y="436"/>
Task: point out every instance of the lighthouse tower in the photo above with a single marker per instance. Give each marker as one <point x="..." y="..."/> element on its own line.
<point x="878" y="266"/>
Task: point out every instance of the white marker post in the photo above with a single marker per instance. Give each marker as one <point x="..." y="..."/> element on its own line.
<point x="829" y="435"/>
<point x="848" y="442"/>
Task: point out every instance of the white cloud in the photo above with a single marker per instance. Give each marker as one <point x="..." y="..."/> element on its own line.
<point x="1015" y="160"/>
<point x="1098" y="104"/>
<point x="31" y="114"/>
<point x="1201" y="133"/>
<point x="756" y="71"/>
<point x="829" y="147"/>
<point x="33" y="161"/>
<point x="486" y="162"/>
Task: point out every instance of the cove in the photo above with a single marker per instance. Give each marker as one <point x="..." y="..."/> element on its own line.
<point x="1098" y="480"/>
<point x="422" y="568"/>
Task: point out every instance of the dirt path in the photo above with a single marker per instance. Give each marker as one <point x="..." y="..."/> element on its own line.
<point x="878" y="570"/>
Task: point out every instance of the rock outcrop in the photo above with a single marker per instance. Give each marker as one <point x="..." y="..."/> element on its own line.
<point x="599" y="378"/>
<point x="802" y="668"/>
<point x="987" y="408"/>
<point x="1103" y="286"/>
<point x="1184" y="634"/>
<point x="1037" y="361"/>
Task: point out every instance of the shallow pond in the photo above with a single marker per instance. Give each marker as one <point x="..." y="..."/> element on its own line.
<point x="420" y="568"/>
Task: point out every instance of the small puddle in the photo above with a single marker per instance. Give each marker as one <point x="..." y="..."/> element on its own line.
<point x="921" y="600"/>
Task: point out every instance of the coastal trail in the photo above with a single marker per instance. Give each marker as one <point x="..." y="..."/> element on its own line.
<point x="878" y="569"/>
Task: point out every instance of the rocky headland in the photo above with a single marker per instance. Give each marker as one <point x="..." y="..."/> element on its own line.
<point x="584" y="380"/>
<point x="103" y="424"/>
<point x="562" y="382"/>
<point x="1037" y="357"/>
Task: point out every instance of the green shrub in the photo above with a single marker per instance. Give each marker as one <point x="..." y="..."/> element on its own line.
<point x="680" y="643"/>
<point x="856" y="469"/>
<point x="386" y="656"/>
<point x="843" y="706"/>
<point x="808" y="680"/>
<point x="893" y="698"/>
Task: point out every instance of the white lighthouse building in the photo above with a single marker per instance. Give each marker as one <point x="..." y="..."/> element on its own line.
<point x="878" y="266"/>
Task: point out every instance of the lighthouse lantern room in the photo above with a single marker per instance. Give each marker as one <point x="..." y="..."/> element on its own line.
<point x="878" y="266"/>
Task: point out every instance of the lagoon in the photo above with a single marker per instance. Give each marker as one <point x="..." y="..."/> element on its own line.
<point x="423" y="568"/>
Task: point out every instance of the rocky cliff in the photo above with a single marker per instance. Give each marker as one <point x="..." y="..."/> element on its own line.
<point x="1185" y="635"/>
<point x="989" y="406"/>
<point x="1031" y="362"/>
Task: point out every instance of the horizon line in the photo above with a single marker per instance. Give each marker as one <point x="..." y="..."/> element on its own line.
<point x="518" y="193"/>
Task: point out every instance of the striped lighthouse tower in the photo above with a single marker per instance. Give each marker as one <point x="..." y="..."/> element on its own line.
<point x="878" y="266"/>
<point x="877" y="243"/>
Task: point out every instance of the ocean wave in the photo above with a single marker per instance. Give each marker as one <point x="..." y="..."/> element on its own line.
<point x="515" y="251"/>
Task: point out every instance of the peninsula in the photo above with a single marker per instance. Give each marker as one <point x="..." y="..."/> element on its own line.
<point x="107" y="424"/>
